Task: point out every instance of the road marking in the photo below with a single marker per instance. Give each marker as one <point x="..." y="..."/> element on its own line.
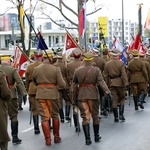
<point x="29" y="129"/>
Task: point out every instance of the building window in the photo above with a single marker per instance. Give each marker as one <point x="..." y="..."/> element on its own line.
<point x="49" y="41"/>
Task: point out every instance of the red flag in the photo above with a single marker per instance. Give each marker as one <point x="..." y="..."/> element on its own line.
<point x="82" y="20"/>
<point x="141" y="48"/>
<point x="70" y="45"/>
<point x="137" y="40"/>
<point x="147" y="22"/>
<point x="20" y="61"/>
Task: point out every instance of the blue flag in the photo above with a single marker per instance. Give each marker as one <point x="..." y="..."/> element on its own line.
<point x="41" y="43"/>
<point x="123" y="56"/>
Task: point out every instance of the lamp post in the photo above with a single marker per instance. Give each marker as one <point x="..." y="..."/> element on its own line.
<point x="122" y="23"/>
<point x="140" y="18"/>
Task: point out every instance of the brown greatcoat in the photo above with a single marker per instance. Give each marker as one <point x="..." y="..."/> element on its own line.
<point x="31" y="88"/>
<point x="100" y="62"/>
<point x="5" y="96"/>
<point x="94" y="77"/>
<point x="47" y="73"/>
<point x="137" y="71"/>
<point x="115" y="74"/>
<point x="13" y="78"/>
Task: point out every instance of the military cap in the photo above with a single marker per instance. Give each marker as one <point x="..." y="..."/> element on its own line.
<point x="76" y="53"/>
<point x="49" y="53"/>
<point x="5" y="57"/>
<point x="115" y="52"/>
<point x="88" y="56"/>
<point x="95" y="49"/>
<point x="135" y="52"/>
<point x="148" y="52"/>
<point x="38" y="53"/>
<point x="142" y="53"/>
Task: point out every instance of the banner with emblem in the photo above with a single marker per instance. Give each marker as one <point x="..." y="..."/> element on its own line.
<point x="21" y="61"/>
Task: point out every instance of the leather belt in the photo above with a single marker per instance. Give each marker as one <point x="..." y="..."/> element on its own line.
<point x="136" y="72"/>
<point x="47" y="84"/>
<point x="11" y="85"/>
<point x="86" y="85"/>
<point x="115" y="77"/>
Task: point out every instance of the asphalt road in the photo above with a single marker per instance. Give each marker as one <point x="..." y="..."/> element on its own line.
<point x="133" y="134"/>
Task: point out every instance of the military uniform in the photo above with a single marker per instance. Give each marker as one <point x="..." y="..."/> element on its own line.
<point x="5" y="96"/>
<point x="31" y="88"/>
<point x="64" y="93"/>
<point x="147" y="66"/>
<point x="85" y="81"/>
<point x="105" y="54"/>
<point x="48" y="78"/>
<point x="71" y="66"/>
<point x="148" y="60"/>
<point x="116" y="79"/>
<point x="138" y="78"/>
<point x="13" y="80"/>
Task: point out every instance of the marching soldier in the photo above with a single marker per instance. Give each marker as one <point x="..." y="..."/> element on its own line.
<point x="147" y="66"/>
<point x="5" y="96"/>
<point x="64" y="93"/>
<point x="100" y="63"/>
<point x="116" y="79"/>
<point x="138" y="78"/>
<point x="48" y="78"/>
<point x="31" y="88"/>
<point x="85" y="93"/>
<point x="13" y="81"/>
<point x="71" y="66"/>
<point x="148" y="60"/>
<point x="105" y="54"/>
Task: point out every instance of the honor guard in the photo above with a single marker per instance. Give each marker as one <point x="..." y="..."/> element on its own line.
<point x="138" y="78"/>
<point x="116" y="79"/>
<point x="85" y="94"/>
<point x="64" y="93"/>
<point x="71" y="66"/>
<point x="48" y="78"/>
<point x="13" y="79"/>
<point x="5" y="96"/>
<point x="31" y="88"/>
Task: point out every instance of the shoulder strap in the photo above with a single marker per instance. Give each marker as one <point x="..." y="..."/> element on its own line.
<point x="86" y="75"/>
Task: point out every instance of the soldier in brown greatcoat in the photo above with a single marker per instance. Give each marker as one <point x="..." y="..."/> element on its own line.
<point x="64" y="93"/>
<point x="48" y="78"/>
<point x="138" y="78"/>
<point x="71" y="66"/>
<point x="85" y="92"/>
<point x="148" y="60"/>
<point x="116" y="79"/>
<point x="147" y="66"/>
<point x="14" y="79"/>
<point x="31" y="88"/>
<point x="5" y="96"/>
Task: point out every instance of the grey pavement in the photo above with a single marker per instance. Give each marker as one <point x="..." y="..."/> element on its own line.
<point x="133" y="134"/>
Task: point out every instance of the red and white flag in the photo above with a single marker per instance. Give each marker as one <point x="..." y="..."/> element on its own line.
<point x="82" y="19"/>
<point x="147" y="22"/>
<point x="21" y="61"/>
<point x="70" y="45"/>
<point x="117" y="44"/>
<point x="137" y="41"/>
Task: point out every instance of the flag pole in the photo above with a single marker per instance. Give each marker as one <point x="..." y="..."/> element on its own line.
<point x="34" y="30"/>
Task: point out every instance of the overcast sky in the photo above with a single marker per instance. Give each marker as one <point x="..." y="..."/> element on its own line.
<point x="111" y="8"/>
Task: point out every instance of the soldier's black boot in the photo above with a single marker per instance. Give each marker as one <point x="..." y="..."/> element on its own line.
<point x="115" y="111"/>
<point x="61" y="114"/>
<point x="36" y="124"/>
<point x="67" y="112"/>
<point x="86" y="129"/>
<point x="141" y="98"/>
<point x="103" y="106"/>
<point x="76" y="122"/>
<point x="121" y="112"/>
<point x="97" y="137"/>
<point x="135" y="98"/>
<point x="14" y="133"/>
